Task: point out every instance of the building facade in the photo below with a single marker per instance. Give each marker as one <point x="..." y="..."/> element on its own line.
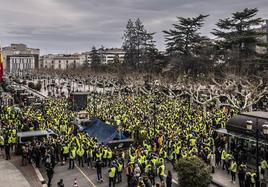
<point x="20" y="63"/>
<point x="61" y="61"/>
<point x="263" y="39"/>
<point x="20" y="58"/>
<point x="107" y="56"/>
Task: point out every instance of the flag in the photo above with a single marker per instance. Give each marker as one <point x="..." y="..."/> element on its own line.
<point x="1" y="68"/>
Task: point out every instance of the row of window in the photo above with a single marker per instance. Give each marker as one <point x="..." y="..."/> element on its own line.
<point x="21" y="60"/>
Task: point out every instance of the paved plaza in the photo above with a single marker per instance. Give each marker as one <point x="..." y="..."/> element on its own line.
<point x="10" y="176"/>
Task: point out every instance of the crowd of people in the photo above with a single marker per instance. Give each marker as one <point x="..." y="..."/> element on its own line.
<point x="165" y="130"/>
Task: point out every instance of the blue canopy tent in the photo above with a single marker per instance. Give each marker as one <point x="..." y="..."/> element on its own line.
<point x="102" y="131"/>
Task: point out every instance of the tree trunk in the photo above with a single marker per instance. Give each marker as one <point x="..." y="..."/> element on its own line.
<point x="218" y="103"/>
<point x="191" y="100"/>
<point x="250" y="108"/>
<point x="204" y="110"/>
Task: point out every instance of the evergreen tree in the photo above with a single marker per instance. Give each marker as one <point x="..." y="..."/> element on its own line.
<point x="138" y="45"/>
<point x="237" y="41"/>
<point x="238" y="31"/>
<point x="185" y="38"/>
<point x="129" y="44"/>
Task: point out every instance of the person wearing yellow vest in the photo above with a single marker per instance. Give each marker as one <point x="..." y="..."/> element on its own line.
<point x="223" y="157"/>
<point x="65" y="153"/>
<point x="233" y="169"/>
<point x="253" y="177"/>
<point x="264" y="167"/>
<point x="72" y="158"/>
<point x="80" y="153"/>
<point x="111" y="174"/>
<point x="13" y="140"/>
<point x="242" y="173"/>
<point x="147" y="168"/>
<point x="1" y="142"/>
<point x="119" y="171"/>
<point x="161" y="171"/>
<point x="109" y="156"/>
<point x="98" y="155"/>
<point x="228" y="158"/>
<point x="89" y="154"/>
<point x="104" y="156"/>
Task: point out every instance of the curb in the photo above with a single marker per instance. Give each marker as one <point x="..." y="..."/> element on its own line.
<point x="40" y="177"/>
<point x="216" y="183"/>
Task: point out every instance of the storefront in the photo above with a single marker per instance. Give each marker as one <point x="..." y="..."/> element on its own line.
<point x="247" y="135"/>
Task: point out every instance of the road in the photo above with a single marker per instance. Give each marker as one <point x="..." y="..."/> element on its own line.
<point x="85" y="176"/>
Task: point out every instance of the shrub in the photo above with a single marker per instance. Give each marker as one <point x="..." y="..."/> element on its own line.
<point x="193" y="172"/>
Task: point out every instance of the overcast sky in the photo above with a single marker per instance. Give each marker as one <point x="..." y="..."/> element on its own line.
<point x="65" y="26"/>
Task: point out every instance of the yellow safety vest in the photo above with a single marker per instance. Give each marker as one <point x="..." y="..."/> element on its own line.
<point x="253" y="178"/>
<point x="162" y="167"/>
<point x="65" y="150"/>
<point x="80" y="152"/>
<point x="110" y="154"/>
<point x="264" y="164"/>
<point x="223" y="155"/>
<point x="112" y="172"/>
<point x="1" y="140"/>
<point x="120" y="167"/>
<point x="147" y="168"/>
<point x="73" y="154"/>
<point x="233" y="167"/>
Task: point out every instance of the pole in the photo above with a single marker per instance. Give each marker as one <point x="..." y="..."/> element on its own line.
<point x="257" y="154"/>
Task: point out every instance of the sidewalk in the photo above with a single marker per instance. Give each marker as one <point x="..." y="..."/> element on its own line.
<point x="10" y="176"/>
<point x="27" y="171"/>
<point x="221" y="178"/>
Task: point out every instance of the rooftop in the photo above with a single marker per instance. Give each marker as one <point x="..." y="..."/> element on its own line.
<point x="258" y="114"/>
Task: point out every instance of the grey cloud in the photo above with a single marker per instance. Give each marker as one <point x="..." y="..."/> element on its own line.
<point x="73" y="25"/>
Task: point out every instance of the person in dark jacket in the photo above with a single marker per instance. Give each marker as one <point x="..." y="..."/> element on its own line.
<point x="169" y="179"/>
<point x="242" y="175"/>
<point x="60" y="183"/>
<point x="50" y="173"/>
<point x="99" y="165"/>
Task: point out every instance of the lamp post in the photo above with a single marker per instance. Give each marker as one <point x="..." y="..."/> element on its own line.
<point x="249" y="125"/>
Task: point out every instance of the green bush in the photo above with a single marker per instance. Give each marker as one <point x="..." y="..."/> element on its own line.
<point x="193" y="172"/>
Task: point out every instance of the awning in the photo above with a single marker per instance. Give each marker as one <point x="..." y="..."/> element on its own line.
<point x="240" y="136"/>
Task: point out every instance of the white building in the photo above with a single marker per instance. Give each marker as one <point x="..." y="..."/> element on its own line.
<point x="20" y="63"/>
<point x="72" y="61"/>
<point x="107" y="55"/>
<point x="20" y="53"/>
<point x="263" y="39"/>
<point x="60" y="61"/>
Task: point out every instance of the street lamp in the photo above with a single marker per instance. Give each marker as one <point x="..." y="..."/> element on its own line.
<point x="264" y="127"/>
<point x="249" y="124"/>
